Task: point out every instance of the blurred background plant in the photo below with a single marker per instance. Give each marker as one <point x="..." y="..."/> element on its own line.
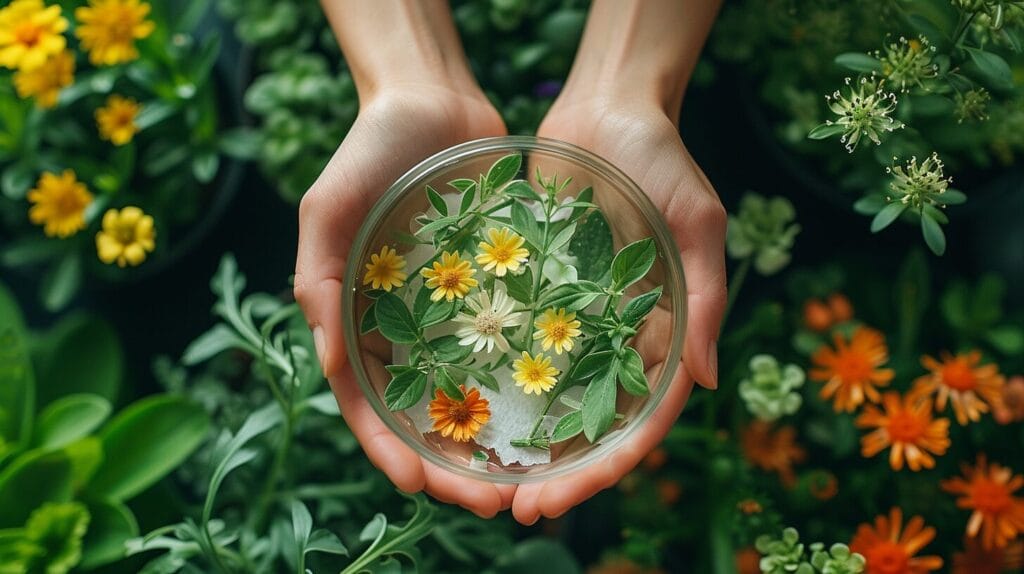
<point x="920" y="94"/>
<point x="109" y="120"/>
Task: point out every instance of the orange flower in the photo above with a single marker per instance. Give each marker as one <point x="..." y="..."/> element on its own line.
<point x="749" y="506"/>
<point x="748" y="561"/>
<point x="773" y="451"/>
<point x="906" y="425"/>
<point x="1011" y="409"/>
<point x="852" y="370"/>
<point x="972" y="389"/>
<point x="842" y="310"/>
<point x="891" y="549"/>
<point x="975" y="559"/>
<point x="460" y="419"/>
<point x="988" y="489"/>
<point x="817" y="316"/>
<point x="823" y="485"/>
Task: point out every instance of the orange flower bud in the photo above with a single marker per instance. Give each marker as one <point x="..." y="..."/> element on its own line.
<point x="841" y="308"/>
<point x="817" y="316"/>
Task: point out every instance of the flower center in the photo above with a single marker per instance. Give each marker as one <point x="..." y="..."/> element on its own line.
<point x="125" y="233"/>
<point x="124" y="118"/>
<point x="557" y="331"/>
<point x="888" y="558"/>
<point x="458" y="412"/>
<point x="905" y="427"/>
<point x="28" y="34"/>
<point x="853" y="366"/>
<point x="122" y="26"/>
<point x="533" y="374"/>
<point x="487" y="323"/>
<point x="68" y="204"/>
<point x="450" y="279"/>
<point x="957" y="375"/>
<point x="501" y="253"/>
<point x="990" y="497"/>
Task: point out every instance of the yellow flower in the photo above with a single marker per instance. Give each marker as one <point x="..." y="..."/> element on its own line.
<point x="557" y="329"/>
<point x="58" y="204"/>
<point x="30" y="32"/>
<point x="534" y="374"/>
<point x="108" y="29"/>
<point x="116" y="120"/>
<point x="504" y="253"/>
<point x="450" y="278"/>
<point x="386" y="270"/>
<point x="127" y="236"/>
<point x="45" y="82"/>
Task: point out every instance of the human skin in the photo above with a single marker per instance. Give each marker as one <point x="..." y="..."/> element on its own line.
<point x="417" y="96"/>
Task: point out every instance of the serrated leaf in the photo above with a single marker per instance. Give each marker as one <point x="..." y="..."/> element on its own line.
<point x="394" y="320"/>
<point x="568" y="426"/>
<point x="631" y="373"/>
<point x="632" y="262"/>
<point x="405" y="390"/>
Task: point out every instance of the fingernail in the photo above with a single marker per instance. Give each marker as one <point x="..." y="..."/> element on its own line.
<point x="318" y="342"/>
<point x="713" y="363"/>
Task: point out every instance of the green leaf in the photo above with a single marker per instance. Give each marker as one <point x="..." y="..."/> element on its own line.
<point x="61" y="282"/>
<point x="1007" y="339"/>
<point x="933" y="235"/>
<point x="55" y="531"/>
<point x="369" y="321"/>
<point x="240" y="142"/>
<point x="520" y="287"/>
<point x="633" y="262"/>
<point x="437" y="225"/>
<point x="70" y="418"/>
<point x="444" y="381"/>
<point x="859" y="62"/>
<point x="992" y="66"/>
<point x="386" y="540"/>
<point x="504" y="170"/>
<point x="462" y="184"/>
<point x="599" y="402"/>
<point x="147" y="440"/>
<point x="17" y="379"/>
<point x="205" y="166"/>
<point x="568" y="426"/>
<point x="218" y="339"/>
<point x="111" y="525"/>
<point x="405" y="390"/>
<point x="561" y="239"/>
<point x="953" y="197"/>
<point x="526" y="225"/>
<point x="437" y="312"/>
<point x="521" y="189"/>
<point x="591" y="364"/>
<point x="437" y="201"/>
<point x="537" y="555"/>
<point x="448" y="350"/>
<point x="82" y="354"/>
<point x="302" y="527"/>
<point x="887" y="215"/>
<point x="326" y="542"/>
<point x="16" y="180"/>
<point x="394" y="320"/>
<point x="639" y="307"/>
<point x="870" y="204"/>
<point x="34" y="478"/>
<point x="583" y="202"/>
<point x="468" y="196"/>
<point x="571" y="296"/>
<point x="825" y="131"/>
<point x="631" y="373"/>
<point x="592" y="247"/>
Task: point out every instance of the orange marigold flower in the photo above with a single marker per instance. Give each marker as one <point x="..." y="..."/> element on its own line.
<point x="987" y="490"/>
<point x="749" y="506"/>
<point x="975" y="559"/>
<point x="842" y="310"/>
<point x="823" y="485"/>
<point x="852" y="370"/>
<point x="772" y="451"/>
<point x="971" y="388"/>
<point x="891" y="549"/>
<point x="1011" y="410"/>
<point x="906" y="425"/>
<point x="463" y="419"/>
<point x="817" y="316"/>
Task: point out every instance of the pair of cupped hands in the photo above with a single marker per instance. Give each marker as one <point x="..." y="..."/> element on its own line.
<point x="402" y="125"/>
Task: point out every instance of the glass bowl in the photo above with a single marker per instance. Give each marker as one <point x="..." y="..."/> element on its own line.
<point x="423" y="341"/>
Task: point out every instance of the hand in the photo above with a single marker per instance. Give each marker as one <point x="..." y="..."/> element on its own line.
<point x="396" y="128"/>
<point x="642" y="139"/>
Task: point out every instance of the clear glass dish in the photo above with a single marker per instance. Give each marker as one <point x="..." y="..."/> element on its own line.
<point x="401" y="215"/>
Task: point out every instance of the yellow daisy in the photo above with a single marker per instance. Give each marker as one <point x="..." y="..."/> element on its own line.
<point x="108" y="29"/>
<point x="385" y="270"/>
<point x="504" y="253"/>
<point x="558" y="329"/>
<point x="126" y="237"/>
<point x="30" y="32"/>
<point x="450" y="278"/>
<point x="116" y="120"/>
<point x="534" y="374"/>
<point x="58" y="204"/>
<point x="45" y="82"/>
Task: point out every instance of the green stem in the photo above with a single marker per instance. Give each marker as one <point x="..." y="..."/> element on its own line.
<point x="280" y="457"/>
<point x="735" y="285"/>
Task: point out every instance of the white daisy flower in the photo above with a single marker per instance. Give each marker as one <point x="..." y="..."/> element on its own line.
<point x="491" y="316"/>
